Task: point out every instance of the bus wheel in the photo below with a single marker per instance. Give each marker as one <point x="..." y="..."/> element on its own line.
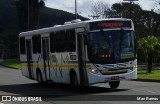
<point x="74" y="81"/>
<point x="39" y="77"/>
<point x="114" y="84"/>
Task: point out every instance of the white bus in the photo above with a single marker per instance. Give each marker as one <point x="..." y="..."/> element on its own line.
<point x="80" y="52"/>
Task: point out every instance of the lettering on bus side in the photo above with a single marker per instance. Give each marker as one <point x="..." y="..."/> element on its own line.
<point x="54" y="62"/>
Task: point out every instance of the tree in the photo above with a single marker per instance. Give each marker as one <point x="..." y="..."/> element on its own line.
<point x="149" y="45"/>
<point x="158" y="12"/>
<point x="100" y="9"/>
<point x="28" y="13"/>
<point x="124" y="9"/>
<point x="151" y="21"/>
<point x="146" y="22"/>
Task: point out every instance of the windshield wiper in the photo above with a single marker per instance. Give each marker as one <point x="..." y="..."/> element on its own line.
<point x="106" y="40"/>
<point x="102" y="32"/>
<point x="121" y="38"/>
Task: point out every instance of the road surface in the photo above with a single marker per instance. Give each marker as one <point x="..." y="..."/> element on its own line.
<point x="13" y="83"/>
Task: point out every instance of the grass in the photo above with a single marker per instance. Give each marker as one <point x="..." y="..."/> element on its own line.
<point x="142" y="74"/>
<point x="11" y="63"/>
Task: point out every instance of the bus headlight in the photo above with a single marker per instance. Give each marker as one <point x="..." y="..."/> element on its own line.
<point x="92" y="70"/>
<point x="134" y="66"/>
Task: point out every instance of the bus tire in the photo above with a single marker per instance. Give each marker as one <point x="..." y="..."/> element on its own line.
<point x="114" y="84"/>
<point x="74" y="81"/>
<point x="39" y="78"/>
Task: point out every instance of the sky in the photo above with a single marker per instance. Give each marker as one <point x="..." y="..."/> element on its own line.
<point x="84" y="6"/>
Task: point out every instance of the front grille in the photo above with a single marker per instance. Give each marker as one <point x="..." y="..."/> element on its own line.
<point x="114" y="72"/>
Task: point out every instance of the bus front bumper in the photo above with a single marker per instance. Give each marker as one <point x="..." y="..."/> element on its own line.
<point x="97" y="78"/>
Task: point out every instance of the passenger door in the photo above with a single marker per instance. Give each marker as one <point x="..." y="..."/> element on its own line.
<point x="46" y="57"/>
<point x="81" y="56"/>
<point x="29" y="57"/>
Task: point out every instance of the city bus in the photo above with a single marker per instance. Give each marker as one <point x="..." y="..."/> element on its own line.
<point x="80" y="52"/>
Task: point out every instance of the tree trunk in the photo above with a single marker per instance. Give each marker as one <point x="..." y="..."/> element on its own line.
<point x="149" y="62"/>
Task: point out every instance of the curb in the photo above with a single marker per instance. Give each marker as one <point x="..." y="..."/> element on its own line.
<point x="146" y="80"/>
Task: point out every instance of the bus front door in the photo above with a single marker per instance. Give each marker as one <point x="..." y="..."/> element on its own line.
<point x="29" y="58"/>
<point x="82" y="58"/>
<point x="45" y="54"/>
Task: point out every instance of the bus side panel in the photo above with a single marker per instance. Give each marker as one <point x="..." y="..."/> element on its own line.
<point x="56" y="69"/>
<point x="24" y="67"/>
<point x="67" y="65"/>
<point x="61" y="66"/>
<point x="36" y="64"/>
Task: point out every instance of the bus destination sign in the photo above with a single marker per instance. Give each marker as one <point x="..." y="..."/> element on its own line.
<point x="110" y="24"/>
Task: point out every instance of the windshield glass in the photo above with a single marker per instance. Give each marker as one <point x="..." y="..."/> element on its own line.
<point x="111" y="46"/>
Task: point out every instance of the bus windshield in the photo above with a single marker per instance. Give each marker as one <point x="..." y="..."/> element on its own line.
<point x="111" y="46"/>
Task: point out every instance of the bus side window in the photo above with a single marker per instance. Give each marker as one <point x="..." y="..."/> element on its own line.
<point x="60" y="39"/>
<point x="39" y="44"/>
<point x="71" y="44"/>
<point x="36" y="40"/>
<point x="53" y="42"/>
<point x="22" y="45"/>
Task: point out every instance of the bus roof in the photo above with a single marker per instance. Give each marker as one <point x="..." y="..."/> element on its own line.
<point x="67" y="25"/>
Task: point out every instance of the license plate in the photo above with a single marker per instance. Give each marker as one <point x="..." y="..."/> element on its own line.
<point x="115" y="78"/>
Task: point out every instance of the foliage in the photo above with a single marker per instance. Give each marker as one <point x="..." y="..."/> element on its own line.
<point x="28" y="13"/>
<point x="124" y="9"/>
<point x="149" y="45"/>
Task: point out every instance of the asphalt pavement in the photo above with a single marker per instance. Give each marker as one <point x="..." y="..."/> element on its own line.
<point x="13" y="83"/>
